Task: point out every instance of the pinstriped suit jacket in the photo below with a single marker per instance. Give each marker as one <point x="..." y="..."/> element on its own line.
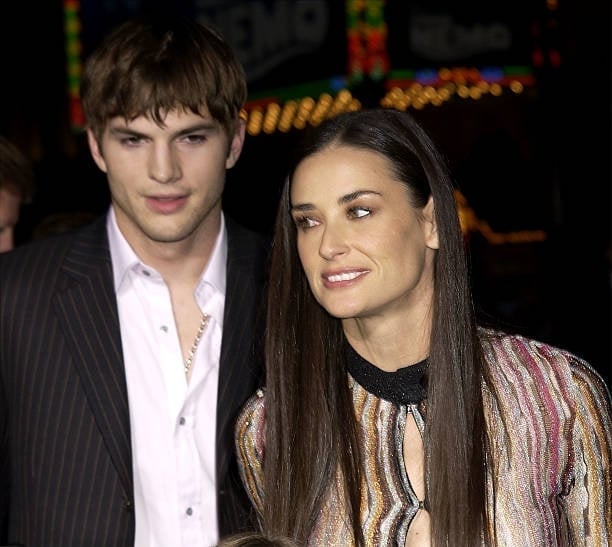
<point x="65" y="455"/>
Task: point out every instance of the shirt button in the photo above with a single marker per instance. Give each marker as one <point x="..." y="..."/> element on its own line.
<point x="182" y="420"/>
<point x="189" y="511"/>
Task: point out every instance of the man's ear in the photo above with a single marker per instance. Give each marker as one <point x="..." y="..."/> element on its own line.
<point x="94" y="148"/>
<point x="236" y="144"/>
<point x="430" y="227"/>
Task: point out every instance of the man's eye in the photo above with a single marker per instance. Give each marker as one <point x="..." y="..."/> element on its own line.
<point x="194" y="139"/>
<point x="359" y="212"/>
<point x="131" y="141"/>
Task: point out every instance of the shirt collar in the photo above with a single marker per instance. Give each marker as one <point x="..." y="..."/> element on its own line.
<point x="215" y="271"/>
<point x="124" y="258"/>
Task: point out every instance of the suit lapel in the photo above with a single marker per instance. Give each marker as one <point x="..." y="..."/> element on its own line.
<point x="88" y="312"/>
<point x="239" y="375"/>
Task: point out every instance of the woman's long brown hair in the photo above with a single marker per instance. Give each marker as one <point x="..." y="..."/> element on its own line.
<point x="311" y="430"/>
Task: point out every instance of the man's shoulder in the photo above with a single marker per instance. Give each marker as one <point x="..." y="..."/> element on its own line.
<point x="239" y="231"/>
<point x="53" y="249"/>
<point x="246" y="243"/>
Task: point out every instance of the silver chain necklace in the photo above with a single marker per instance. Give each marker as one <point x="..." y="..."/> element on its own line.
<point x="189" y="359"/>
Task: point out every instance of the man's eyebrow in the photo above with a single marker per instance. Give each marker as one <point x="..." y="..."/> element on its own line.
<point x="201" y="126"/>
<point x="120" y="131"/>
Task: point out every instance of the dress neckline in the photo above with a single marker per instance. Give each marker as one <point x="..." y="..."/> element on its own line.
<point x="407" y="385"/>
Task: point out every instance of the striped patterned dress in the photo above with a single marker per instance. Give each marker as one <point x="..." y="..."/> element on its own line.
<point x="549" y="418"/>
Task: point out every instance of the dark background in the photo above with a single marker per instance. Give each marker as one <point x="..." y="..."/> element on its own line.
<point x="535" y="161"/>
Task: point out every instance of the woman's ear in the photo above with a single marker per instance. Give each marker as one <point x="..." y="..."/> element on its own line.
<point x="430" y="227"/>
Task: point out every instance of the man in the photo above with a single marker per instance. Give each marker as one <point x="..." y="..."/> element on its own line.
<point x="16" y="188"/>
<point x="127" y="349"/>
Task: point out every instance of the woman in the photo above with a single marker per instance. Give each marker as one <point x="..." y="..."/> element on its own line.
<point x="389" y="417"/>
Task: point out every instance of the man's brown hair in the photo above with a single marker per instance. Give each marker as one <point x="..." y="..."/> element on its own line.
<point x="149" y="66"/>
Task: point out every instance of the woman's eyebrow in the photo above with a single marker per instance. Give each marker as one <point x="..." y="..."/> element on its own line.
<point x="355" y="195"/>
<point x="342" y="200"/>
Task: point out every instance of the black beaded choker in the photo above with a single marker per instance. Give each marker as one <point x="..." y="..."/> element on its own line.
<point x="404" y="386"/>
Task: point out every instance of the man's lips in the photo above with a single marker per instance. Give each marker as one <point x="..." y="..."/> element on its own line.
<point x="166" y="204"/>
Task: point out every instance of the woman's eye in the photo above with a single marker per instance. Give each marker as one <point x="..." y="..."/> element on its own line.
<point x="303" y="223"/>
<point x="359" y="212"/>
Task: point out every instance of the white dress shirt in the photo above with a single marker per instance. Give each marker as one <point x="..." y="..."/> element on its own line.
<point x="173" y="422"/>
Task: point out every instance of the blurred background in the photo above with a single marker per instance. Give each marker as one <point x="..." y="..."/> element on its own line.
<point x="516" y="93"/>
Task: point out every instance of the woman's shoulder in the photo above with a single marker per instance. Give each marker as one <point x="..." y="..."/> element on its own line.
<point x="251" y="421"/>
<point x="518" y="359"/>
<point x="249" y="442"/>
<point x="254" y="406"/>
<point x="509" y="350"/>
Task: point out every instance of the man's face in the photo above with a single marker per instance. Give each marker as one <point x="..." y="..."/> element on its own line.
<point x="166" y="182"/>
<point x="9" y="214"/>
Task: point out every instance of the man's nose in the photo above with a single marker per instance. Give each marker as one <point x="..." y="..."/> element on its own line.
<point x="164" y="166"/>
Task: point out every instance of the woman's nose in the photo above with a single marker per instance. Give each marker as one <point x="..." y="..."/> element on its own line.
<point x="333" y="243"/>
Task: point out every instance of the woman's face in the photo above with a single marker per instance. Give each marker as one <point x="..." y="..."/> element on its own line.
<point x="365" y="249"/>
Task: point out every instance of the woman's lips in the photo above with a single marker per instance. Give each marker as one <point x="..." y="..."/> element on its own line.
<point x="343" y="278"/>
